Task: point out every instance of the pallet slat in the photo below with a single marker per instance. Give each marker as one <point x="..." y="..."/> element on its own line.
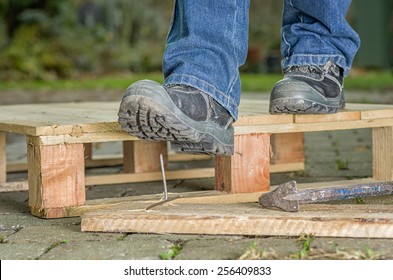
<point x="240" y="214"/>
<point x="97" y="117"/>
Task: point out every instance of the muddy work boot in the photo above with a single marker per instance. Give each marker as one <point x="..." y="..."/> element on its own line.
<point x="191" y="120"/>
<point x="309" y="90"/>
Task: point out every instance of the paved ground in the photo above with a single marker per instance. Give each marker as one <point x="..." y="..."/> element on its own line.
<point x="330" y="156"/>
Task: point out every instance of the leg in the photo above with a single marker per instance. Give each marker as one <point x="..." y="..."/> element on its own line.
<point x="144" y="156"/>
<point x="248" y="169"/>
<point x="206" y="45"/>
<point x="318" y="47"/>
<point x="56" y="178"/>
<point x="315" y="32"/>
<point x="383" y="153"/>
<point x="3" y="158"/>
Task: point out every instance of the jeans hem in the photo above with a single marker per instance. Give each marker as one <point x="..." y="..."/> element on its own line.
<point x="190" y="80"/>
<point x="319" y="60"/>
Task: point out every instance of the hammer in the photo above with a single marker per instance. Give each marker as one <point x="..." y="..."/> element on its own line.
<point x="287" y="197"/>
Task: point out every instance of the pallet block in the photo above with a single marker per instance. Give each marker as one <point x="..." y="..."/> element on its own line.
<point x="239" y="214"/>
<point x="141" y="156"/>
<point x="248" y="169"/>
<point x="382" y="139"/>
<point x="68" y="127"/>
<point x="3" y="159"/>
<point x="56" y="178"/>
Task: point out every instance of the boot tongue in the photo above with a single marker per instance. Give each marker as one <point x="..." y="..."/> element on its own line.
<point x="190" y="101"/>
<point x="199" y="106"/>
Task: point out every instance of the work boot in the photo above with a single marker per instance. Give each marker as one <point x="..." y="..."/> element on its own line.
<point x="191" y="120"/>
<point x="309" y="90"/>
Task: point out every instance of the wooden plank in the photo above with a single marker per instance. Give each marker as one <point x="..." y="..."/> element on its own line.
<point x="312" y="127"/>
<point x="76" y="119"/>
<point x="144" y="156"/>
<point x="382" y="139"/>
<point x="149" y="176"/>
<point x="248" y="219"/>
<point x="146" y="177"/>
<point x="252" y="112"/>
<point x="341" y="116"/>
<point x="16" y="186"/>
<point x="3" y="158"/>
<point x="287" y="167"/>
<point x="117" y="159"/>
<point x="199" y="197"/>
<point x="240" y="214"/>
<point x="248" y="169"/>
<point x="56" y="179"/>
<point x="108" y="136"/>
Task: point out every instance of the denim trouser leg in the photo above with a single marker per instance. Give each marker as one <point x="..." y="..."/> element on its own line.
<point x="206" y="45"/>
<point x="316" y="31"/>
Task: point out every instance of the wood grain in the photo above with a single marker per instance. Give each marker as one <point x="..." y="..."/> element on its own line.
<point x="239" y="214"/>
<point x="56" y="178"/>
<point x="248" y="169"/>
<point x="287" y="148"/>
<point x="78" y="119"/>
<point x="144" y="156"/>
<point x="3" y="158"/>
<point x="382" y="139"/>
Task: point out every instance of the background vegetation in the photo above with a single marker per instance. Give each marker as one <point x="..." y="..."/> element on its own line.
<point x="49" y="40"/>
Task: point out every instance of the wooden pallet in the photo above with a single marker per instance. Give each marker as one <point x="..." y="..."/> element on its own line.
<point x="56" y="136"/>
<point x="59" y="138"/>
<point x="238" y="214"/>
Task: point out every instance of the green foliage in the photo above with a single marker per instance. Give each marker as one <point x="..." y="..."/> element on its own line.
<point x="306" y="240"/>
<point x="45" y="40"/>
<point x="171" y="253"/>
<point x="342" y="164"/>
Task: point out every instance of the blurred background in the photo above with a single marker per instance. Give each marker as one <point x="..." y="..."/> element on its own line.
<point x="49" y="40"/>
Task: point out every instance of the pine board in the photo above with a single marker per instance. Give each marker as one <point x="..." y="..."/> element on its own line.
<point x="240" y="214"/>
<point x="75" y="120"/>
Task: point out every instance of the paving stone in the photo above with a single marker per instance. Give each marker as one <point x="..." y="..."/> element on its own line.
<point x="138" y="247"/>
<point x="4" y="234"/>
<point x="233" y="248"/>
<point x="14" y="202"/>
<point x="21" y="220"/>
<point x="346" y="248"/>
<point x="30" y="251"/>
<point x="57" y="233"/>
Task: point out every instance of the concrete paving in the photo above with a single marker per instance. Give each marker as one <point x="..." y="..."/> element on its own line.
<point x="330" y="156"/>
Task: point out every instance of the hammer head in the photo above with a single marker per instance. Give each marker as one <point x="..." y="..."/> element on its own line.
<point x="276" y="198"/>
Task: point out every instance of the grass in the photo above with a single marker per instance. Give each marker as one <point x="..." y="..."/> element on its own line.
<point x="250" y="82"/>
<point x="365" y="253"/>
<point x="254" y="252"/>
<point x="55" y="244"/>
<point x="306" y="240"/>
<point x="172" y="252"/>
<point x="342" y="164"/>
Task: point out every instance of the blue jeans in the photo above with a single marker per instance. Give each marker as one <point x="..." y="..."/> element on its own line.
<point x="208" y="41"/>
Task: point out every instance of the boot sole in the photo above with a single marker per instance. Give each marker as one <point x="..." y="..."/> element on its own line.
<point x="302" y="106"/>
<point x="148" y="112"/>
<point x="295" y="97"/>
